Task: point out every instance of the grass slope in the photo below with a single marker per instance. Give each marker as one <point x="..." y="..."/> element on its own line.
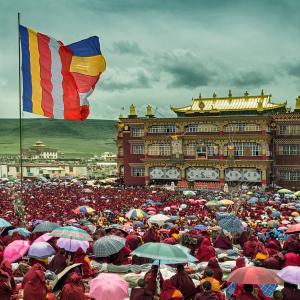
<point x="74" y="138"/>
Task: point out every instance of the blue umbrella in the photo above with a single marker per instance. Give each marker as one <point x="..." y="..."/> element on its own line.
<point x="276" y="214"/>
<point x="139" y="223"/>
<point x="20" y="230"/>
<point x="231" y="224"/>
<point x="200" y="227"/>
<point x="4" y="223"/>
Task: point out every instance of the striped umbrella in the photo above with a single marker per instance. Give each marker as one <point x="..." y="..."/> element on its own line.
<point x="136" y="213"/>
<point x="71" y="232"/>
<point x="108" y="245"/>
<point x="84" y="210"/>
<point x="4" y="223"/>
<point x="45" y="227"/>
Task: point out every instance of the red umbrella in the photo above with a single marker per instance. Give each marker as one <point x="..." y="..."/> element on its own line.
<point x="253" y="275"/>
<point x="294" y="229"/>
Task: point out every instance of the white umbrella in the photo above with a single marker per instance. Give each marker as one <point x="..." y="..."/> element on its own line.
<point x="158" y="219"/>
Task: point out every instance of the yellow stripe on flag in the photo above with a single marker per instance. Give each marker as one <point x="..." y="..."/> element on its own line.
<point x="88" y="65"/>
<point x="35" y="73"/>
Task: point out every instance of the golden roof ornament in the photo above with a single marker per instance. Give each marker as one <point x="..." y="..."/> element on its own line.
<point x="262" y="93"/>
<point x="297" y="107"/>
<point x="229" y="94"/>
<point x="149" y="112"/>
<point x="214" y="95"/>
<point x="246" y="94"/>
<point x="200" y="96"/>
<point x="260" y="105"/>
<point x="201" y="105"/>
<point x="132" y="111"/>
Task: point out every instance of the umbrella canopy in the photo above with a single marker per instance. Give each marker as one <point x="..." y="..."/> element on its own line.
<point x="290" y="274"/>
<point x="72" y="245"/>
<point x="72" y="233"/>
<point x="108" y="245"/>
<point x="136" y="213"/>
<point x="253" y="275"/>
<point x="43" y="238"/>
<point x="84" y="210"/>
<point x="45" y="227"/>
<point x="108" y="286"/>
<point x="297" y="219"/>
<point x="200" y="227"/>
<point x="231" y="224"/>
<point x="189" y="193"/>
<point x="213" y="203"/>
<point x="40" y="250"/>
<point x="15" y="250"/>
<point x="4" y="223"/>
<point x="284" y="191"/>
<point x="297" y="194"/>
<point x="158" y="219"/>
<point x="294" y="229"/>
<point x="226" y="202"/>
<point x="20" y="230"/>
<point x="161" y="251"/>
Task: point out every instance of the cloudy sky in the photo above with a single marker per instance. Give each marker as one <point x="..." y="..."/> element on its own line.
<point x="165" y="52"/>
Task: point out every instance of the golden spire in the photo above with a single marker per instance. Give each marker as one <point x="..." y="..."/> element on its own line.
<point x="214" y="95"/>
<point x="229" y="93"/>
<point x="132" y="112"/>
<point x="246" y="94"/>
<point x="297" y="107"/>
<point x="149" y="112"/>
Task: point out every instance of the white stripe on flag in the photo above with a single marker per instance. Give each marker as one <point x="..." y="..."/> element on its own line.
<point x="84" y="97"/>
<point x="57" y="79"/>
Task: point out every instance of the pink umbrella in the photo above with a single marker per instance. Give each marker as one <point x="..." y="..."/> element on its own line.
<point x="43" y="238"/>
<point x="72" y="245"/>
<point x="15" y="250"/>
<point x="107" y="286"/>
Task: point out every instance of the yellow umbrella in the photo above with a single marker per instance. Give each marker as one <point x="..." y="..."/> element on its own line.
<point x="226" y="202"/>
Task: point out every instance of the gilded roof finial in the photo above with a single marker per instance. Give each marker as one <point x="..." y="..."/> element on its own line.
<point x="297" y="107"/>
<point x="200" y="96"/>
<point x="132" y="112"/>
<point x="229" y="93"/>
<point x="121" y="116"/>
<point x="246" y="94"/>
<point x="201" y="105"/>
<point x="214" y="95"/>
<point x="149" y="112"/>
<point x="262" y="93"/>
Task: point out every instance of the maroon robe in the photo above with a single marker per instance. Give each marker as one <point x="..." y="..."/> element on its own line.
<point x="58" y="263"/>
<point x="7" y="282"/>
<point x="223" y="242"/>
<point x="214" y="266"/>
<point x="73" y="288"/>
<point x="183" y="282"/>
<point x="141" y="294"/>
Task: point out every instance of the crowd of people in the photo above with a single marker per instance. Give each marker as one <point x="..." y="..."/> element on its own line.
<point x="194" y="222"/>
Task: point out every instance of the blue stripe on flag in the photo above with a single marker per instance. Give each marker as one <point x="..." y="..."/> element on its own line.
<point x="86" y="47"/>
<point x="27" y="86"/>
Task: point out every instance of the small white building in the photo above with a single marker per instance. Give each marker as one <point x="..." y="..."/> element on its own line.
<point x="108" y="156"/>
<point x="40" y="151"/>
<point x="47" y="170"/>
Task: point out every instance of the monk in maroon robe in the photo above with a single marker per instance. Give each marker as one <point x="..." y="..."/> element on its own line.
<point x="183" y="282"/>
<point x="250" y="247"/>
<point x="150" y="279"/>
<point x="151" y="236"/>
<point x="58" y="262"/>
<point x="205" y="251"/>
<point x="223" y="242"/>
<point x="34" y="284"/>
<point x="214" y="266"/>
<point x="291" y="244"/>
<point x="73" y="288"/>
<point x="7" y="282"/>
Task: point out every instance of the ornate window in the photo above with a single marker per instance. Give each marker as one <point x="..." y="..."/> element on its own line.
<point x="138" y="171"/>
<point x="289" y="175"/>
<point x="159" y="149"/>
<point x="189" y="149"/>
<point x="137" y="131"/>
<point x="241" y="127"/>
<point x="137" y="149"/>
<point x="121" y="151"/>
<point x="289" y="129"/>
<point x="169" y="128"/>
<point x="245" y="149"/>
<point x="202" y="127"/>
<point x="289" y="149"/>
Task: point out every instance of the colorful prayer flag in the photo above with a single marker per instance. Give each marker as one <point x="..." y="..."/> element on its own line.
<point x="57" y="79"/>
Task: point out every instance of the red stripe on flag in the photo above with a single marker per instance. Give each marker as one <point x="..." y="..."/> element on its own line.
<point x="45" y="74"/>
<point x="71" y="96"/>
<point x="85" y="82"/>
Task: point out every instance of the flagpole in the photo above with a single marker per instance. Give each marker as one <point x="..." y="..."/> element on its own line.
<point x="20" y="109"/>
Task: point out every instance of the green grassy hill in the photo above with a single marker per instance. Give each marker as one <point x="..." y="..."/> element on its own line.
<point x="74" y="139"/>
